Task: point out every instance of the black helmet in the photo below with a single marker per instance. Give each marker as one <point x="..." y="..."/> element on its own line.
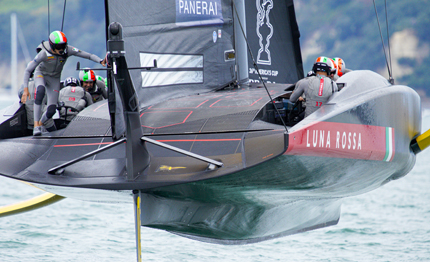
<point x="71" y="81"/>
<point x="320" y="66"/>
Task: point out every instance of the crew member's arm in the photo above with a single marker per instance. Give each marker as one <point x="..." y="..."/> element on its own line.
<point x="296" y="95"/>
<point x="100" y="82"/>
<point x="81" y="104"/>
<point x="74" y="51"/>
<point x="88" y="99"/>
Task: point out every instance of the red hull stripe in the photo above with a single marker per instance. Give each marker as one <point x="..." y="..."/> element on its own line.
<point x="329" y="139"/>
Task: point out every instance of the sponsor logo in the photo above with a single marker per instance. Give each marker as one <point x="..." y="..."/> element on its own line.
<point x="264" y="31"/>
<point x="263" y="72"/>
<point x="198" y="12"/>
<point x="168" y="168"/>
<point x="342" y="140"/>
<point x="323" y="138"/>
<point x="321" y="89"/>
<point x="14" y="121"/>
<point x="214" y="36"/>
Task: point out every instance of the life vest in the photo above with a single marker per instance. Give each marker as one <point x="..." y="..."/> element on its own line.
<point x="53" y="64"/>
<point x="318" y="92"/>
<point x="73" y="97"/>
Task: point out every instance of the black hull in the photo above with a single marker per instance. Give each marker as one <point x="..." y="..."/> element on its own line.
<point x="271" y="184"/>
<point x="301" y="189"/>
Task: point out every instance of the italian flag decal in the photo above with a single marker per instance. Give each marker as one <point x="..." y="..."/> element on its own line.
<point x="389" y="144"/>
<point x="60" y="37"/>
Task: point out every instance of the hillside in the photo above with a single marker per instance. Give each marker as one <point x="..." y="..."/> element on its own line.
<point x="349" y="29"/>
<point x="84" y="25"/>
<point x="346" y="29"/>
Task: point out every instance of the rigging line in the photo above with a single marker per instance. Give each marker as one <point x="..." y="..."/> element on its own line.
<point x="23" y="43"/>
<point x="382" y="40"/>
<point x="49" y="24"/>
<point x="388" y="37"/>
<point x="64" y="14"/>
<point x="256" y="67"/>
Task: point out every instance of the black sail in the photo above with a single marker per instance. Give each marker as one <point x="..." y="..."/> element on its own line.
<point x="273" y="36"/>
<point x="189" y="39"/>
<point x="194" y="45"/>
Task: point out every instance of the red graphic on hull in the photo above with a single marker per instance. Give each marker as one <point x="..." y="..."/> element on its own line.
<point x="329" y="139"/>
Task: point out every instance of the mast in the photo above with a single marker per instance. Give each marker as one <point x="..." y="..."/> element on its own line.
<point x="16" y="35"/>
<point x="240" y="42"/>
<point x="14" y="52"/>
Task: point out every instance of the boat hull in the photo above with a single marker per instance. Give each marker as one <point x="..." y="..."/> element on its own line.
<point x="353" y="145"/>
<point x="272" y="184"/>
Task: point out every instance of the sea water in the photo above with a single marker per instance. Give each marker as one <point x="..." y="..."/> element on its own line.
<point x="391" y="223"/>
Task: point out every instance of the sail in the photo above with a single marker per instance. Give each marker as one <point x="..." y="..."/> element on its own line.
<point x="190" y="39"/>
<point x="273" y="36"/>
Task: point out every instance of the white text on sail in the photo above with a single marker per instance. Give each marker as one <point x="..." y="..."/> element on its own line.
<point x="198" y="7"/>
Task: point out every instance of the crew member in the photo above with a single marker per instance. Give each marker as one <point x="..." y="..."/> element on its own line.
<point x="74" y="97"/>
<point x="330" y="62"/>
<point x="317" y="89"/>
<point x="95" y="85"/>
<point x="47" y="66"/>
<point x="341" y="68"/>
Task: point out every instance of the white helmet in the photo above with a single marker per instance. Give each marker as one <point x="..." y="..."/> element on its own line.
<point x="87" y="75"/>
<point x="341" y="68"/>
<point x="329" y="62"/>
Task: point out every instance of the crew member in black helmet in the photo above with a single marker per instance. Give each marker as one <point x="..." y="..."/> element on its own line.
<point x="317" y="89"/>
<point x="74" y="97"/>
<point x="47" y="66"/>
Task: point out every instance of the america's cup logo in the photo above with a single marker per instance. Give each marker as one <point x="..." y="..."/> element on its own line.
<point x="264" y="31"/>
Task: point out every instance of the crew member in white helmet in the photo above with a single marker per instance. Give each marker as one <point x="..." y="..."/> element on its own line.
<point x="48" y="65"/>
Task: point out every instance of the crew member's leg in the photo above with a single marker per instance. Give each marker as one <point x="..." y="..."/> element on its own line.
<point x="39" y="83"/>
<point x="52" y="92"/>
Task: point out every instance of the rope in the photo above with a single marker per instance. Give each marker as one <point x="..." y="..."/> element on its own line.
<point x="388" y="36"/>
<point x="383" y="45"/>
<point x="64" y="14"/>
<point x="49" y="24"/>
